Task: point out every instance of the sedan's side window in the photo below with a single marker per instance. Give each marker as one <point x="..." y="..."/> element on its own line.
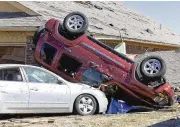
<point x="10" y="74"/>
<point x="39" y="76"/>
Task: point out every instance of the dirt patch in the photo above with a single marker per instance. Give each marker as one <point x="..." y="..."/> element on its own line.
<point x="159" y="119"/>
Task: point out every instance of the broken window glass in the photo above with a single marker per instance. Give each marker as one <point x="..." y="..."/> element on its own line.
<point x="47" y="53"/>
<point x="93" y="77"/>
<point x="39" y="76"/>
<point x="68" y="65"/>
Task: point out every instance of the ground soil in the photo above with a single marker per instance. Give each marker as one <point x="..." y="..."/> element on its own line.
<point x="152" y="119"/>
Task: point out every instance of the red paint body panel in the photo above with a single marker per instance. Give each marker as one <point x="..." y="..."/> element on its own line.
<point x="85" y="51"/>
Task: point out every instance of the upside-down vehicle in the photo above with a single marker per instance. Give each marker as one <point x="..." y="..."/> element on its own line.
<point x="66" y="49"/>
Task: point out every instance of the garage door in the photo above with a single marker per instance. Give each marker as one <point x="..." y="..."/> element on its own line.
<point x="12" y="54"/>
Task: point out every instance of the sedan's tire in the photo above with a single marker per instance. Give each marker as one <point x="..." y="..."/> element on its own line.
<point x="85" y="104"/>
<point x="37" y="34"/>
<point x="153" y="67"/>
<point x="75" y="23"/>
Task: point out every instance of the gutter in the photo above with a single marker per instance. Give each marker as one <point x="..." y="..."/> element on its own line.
<point x="133" y="40"/>
<point x="19" y="28"/>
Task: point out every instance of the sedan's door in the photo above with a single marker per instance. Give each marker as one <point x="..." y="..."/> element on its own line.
<point x="14" y="91"/>
<point x="47" y="94"/>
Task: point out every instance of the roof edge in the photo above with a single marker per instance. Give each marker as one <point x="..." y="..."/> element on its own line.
<point x="111" y="37"/>
<point x="135" y="40"/>
<point x="19" y="28"/>
<point x="23" y="8"/>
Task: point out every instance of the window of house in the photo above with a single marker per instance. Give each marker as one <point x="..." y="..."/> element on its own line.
<point x="47" y="53"/>
<point x="10" y="74"/>
<point x="68" y="65"/>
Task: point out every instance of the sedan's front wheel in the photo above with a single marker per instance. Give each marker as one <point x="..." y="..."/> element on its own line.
<point x="85" y="105"/>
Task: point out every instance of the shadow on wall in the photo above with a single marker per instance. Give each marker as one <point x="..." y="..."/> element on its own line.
<point x="175" y="122"/>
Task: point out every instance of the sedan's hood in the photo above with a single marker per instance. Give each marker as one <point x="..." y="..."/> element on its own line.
<point x="80" y="86"/>
<point x="85" y="86"/>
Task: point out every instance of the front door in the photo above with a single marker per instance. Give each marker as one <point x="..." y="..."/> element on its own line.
<point x="14" y="92"/>
<point x="47" y="94"/>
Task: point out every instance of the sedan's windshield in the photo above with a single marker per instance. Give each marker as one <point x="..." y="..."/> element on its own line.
<point x="92" y="77"/>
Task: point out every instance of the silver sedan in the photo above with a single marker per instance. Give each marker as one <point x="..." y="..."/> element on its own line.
<point x="30" y="89"/>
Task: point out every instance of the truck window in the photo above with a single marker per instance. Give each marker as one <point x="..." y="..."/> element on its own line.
<point x="93" y="78"/>
<point x="68" y="65"/>
<point x="47" y="53"/>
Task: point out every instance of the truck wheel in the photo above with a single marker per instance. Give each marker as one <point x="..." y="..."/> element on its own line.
<point x="37" y="34"/>
<point x="75" y="23"/>
<point x="152" y="67"/>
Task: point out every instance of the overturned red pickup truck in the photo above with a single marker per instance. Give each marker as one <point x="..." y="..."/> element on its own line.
<point x="65" y="49"/>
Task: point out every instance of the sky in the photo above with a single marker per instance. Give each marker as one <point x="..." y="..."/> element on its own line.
<point x="165" y="12"/>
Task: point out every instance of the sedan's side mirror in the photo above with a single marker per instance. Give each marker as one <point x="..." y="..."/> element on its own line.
<point x="59" y="82"/>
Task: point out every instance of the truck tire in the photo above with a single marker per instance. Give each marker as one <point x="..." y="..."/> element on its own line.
<point x="152" y="67"/>
<point x="75" y="23"/>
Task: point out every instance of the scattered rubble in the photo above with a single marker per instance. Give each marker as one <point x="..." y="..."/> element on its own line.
<point x="154" y="119"/>
<point x="111" y="24"/>
<point x="51" y="120"/>
<point x="149" y="31"/>
<point x="98" y="7"/>
<point x="15" y="122"/>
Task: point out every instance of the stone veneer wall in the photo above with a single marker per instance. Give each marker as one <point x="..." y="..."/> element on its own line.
<point x="30" y="52"/>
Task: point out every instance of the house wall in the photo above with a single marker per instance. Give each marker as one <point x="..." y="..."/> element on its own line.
<point x="30" y="52"/>
<point x="14" y="45"/>
<point x="14" y="36"/>
<point x="133" y="47"/>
